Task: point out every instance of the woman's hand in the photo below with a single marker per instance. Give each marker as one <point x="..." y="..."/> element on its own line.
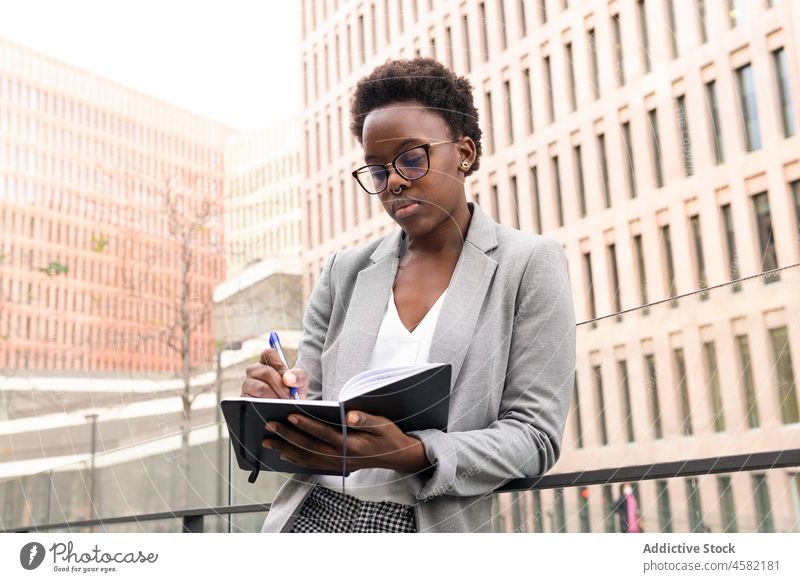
<point x="372" y="441"/>
<point x="269" y="378"/>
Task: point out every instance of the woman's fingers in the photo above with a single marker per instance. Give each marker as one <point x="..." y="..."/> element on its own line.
<point x="296" y="378"/>
<point x="260" y="389"/>
<point x="301" y="440"/>
<point x="266" y="378"/>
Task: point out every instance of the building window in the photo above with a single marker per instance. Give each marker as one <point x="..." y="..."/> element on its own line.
<point x="784" y="93"/>
<point x="608" y="509"/>
<point x="730" y="245"/>
<point x="362" y="48"/>
<point x="627" y="410"/>
<point x="683" y="132"/>
<point x="748" y="386"/>
<point x="592" y="42"/>
<point x="727" y="504"/>
<point x="652" y="388"/>
<point x="484" y="33"/>
<point x="715" y="394"/>
<point x="699" y="260"/>
<point x="583" y="509"/>
<point x="538" y="522"/>
<point x="628" y="144"/>
<point x="570" y="75"/>
<point x="795" y="186"/>
<point x="737" y="12"/>
<point x="509" y="113"/>
<point x="655" y="146"/>
<point x="763" y="505"/>
<point x="535" y="203"/>
<point x="668" y="261"/>
<point x="641" y="12"/>
<point x="448" y="32"/>
<point x="747" y="104"/>
<point x="702" y="23"/>
<point x="714" y="124"/>
<point x="600" y="403"/>
<point x="683" y="391"/>
<point x="548" y="81"/>
<point x="501" y="12"/>
<point x="639" y="252"/>
<point x="514" y="199"/>
<point x="557" y="191"/>
<point x="769" y="259"/>
<point x="489" y="121"/>
<point x="601" y="148"/>
<point x="467" y="50"/>
<point x="618" y="57"/>
<point x="587" y="272"/>
<point x="523" y="27"/>
<point x="526" y="78"/>
<point x="612" y="260"/>
<point x="695" y="512"/>
<point x="673" y="29"/>
<point x="542" y="11"/>
<point x="579" y="179"/>
<point x="495" y="202"/>
<point x="560" y="524"/>
<point x="576" y="415"/>
<point x="784" y="375"/>
<point x="664" y="507"/>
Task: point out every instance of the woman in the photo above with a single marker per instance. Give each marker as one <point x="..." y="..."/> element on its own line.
<point x="451" y="285"/>
<point x="628" y="511"/>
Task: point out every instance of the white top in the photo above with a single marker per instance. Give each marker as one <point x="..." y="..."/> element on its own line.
<point x="394" y="346"/>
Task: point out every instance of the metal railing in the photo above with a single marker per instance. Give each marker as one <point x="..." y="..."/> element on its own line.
<point x="193" y="519"/>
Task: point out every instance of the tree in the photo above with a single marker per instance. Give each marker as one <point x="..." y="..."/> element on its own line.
<point x="186" y="233"/>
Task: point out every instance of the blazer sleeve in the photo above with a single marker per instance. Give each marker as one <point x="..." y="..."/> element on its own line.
<point x="315" y="329"/>
<point x="525" y="440"/>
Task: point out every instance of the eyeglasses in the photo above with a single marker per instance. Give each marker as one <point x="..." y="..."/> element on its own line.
<point x="411" y="164"/>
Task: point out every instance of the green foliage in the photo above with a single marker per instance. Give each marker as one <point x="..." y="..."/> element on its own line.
<point x="99" y="243"/>
<point x="55" y="268"/>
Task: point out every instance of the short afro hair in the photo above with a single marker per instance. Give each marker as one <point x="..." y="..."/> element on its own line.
<point x="424" y="80"/>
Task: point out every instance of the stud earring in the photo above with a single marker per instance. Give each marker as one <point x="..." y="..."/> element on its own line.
<point x="464" y="165"/>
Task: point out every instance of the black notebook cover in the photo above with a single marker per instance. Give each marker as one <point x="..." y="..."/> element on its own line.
<point x="418" y="402"/>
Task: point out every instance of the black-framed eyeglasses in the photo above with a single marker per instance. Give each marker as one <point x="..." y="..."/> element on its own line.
<point x="411" y="164"/>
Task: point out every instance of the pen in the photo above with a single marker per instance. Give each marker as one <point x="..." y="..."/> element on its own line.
<point x="275" y="343"/>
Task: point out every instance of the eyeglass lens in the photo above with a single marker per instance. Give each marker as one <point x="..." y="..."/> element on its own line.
<point x="412" y="165"/>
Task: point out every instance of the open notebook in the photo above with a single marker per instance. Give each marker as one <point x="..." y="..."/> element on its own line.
<point x="413" y="397"/>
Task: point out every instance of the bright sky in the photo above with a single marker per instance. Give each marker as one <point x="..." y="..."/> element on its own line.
<point x="235" y="61"/>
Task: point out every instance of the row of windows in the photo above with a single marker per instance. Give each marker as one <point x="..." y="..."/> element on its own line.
<point x="101" y="237"/>
<point x="102" y="285"/>
<point x="653" y="126"/>
<point x="683" y="396"/>
<point x="102" y="173"/>
<point x="682" y="34"/>
<point x="144" y="356"/>
<point x="103" y="218"/>
<point x="57" y="109"/>
<point x="727" y="253"/>
<point x="247" y="249"/>
<point x="530" y="513"/>
<point x="266" y="175"/>
<point x="334" y="215"/>
<point x="261" y="208"/>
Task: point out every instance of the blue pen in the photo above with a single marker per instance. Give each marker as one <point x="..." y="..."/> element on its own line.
<point x="275" y="343"/>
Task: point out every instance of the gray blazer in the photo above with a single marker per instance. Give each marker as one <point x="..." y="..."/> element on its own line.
<point x="507" y="327"/>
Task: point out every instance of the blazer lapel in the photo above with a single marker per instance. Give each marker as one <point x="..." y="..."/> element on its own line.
<point x="458" y="316"/>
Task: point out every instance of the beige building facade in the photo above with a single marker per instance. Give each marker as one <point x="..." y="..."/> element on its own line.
<point x="101" y="190"/>
<point x="657" y="140"/>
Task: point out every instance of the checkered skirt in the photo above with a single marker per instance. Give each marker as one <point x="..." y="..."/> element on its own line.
<point x="328" y="511"/>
